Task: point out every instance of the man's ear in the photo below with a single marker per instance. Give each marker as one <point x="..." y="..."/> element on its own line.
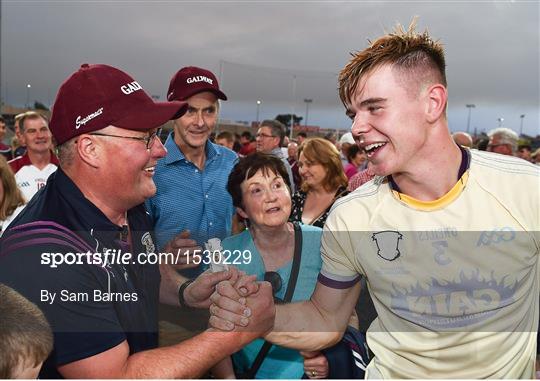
<point x="241" y="213"/>
<point x="88" y="150"/>
<point x="436" y="99"/>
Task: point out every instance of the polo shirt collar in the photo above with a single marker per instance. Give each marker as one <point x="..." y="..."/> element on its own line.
<point x="174" y="153"/>
<point x="94" y="219"/>
<point x="25" y="159"/>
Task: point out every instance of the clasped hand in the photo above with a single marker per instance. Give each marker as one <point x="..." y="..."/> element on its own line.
<point x="244" y="304"/>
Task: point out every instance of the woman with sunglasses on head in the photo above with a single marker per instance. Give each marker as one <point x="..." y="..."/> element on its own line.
<point x="279" y="251"/>
<point x="323" y="182"/>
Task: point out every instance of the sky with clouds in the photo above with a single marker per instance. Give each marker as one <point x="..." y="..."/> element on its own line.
<point x="278" y="52"/>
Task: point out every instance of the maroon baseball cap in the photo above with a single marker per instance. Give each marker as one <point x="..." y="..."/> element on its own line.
<point x="192" y="80"/>
<point x="97" y="96"/>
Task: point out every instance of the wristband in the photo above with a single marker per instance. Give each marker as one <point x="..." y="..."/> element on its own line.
<point x="181" y="291"/>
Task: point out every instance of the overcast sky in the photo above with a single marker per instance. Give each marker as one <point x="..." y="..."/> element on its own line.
<point x="258" y="47"/>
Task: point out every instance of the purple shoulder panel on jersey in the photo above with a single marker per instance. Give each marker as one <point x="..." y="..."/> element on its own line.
<point x="43" y="232"/>
<point x="340" y="285"/>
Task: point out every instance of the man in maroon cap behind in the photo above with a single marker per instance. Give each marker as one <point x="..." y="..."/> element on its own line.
<point x="66" y="251"/>
<point x="191" y="180"/>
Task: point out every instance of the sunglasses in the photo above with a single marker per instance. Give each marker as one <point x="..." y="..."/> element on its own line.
<point x="276" y="282"/>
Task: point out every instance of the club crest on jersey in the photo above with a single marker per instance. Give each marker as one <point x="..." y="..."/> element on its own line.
<point x="387" y="242"/>
<point x="148" y="243"/>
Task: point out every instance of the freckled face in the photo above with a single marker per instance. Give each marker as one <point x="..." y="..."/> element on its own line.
<point x="388" y="121"/>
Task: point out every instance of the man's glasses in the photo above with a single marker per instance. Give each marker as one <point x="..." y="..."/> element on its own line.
<point x="259" y="135"/>
<point x="276" y="282"/>
<point x="492" y="146"/>
<point x="148" y="140"/>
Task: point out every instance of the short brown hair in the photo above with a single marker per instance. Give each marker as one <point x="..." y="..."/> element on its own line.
<point x="416" y="55"/>
<point x="323" y="152"/>
<point x="225" y="135"/>
<point x="248" y="166"/>
<point x="13" y="197"/>
<point x="25" y="334"/>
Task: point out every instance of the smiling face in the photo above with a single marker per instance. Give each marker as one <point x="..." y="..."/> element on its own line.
<point x="193" y="128"/>
<point x="266" y="200"/>
<point x="388" y="121"/>
<point x="312" y="173"/>
<point x="129" y="165"/>
<point x="36" y="135"/>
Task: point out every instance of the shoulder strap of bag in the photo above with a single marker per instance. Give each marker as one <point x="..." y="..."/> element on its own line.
<point x="288" y="297"/>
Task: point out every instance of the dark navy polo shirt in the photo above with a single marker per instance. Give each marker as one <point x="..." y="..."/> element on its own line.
<point x="92" y="311"/>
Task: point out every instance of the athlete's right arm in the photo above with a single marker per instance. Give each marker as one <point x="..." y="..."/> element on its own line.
<point x="188" y="359"/>
<point x="316" y="323"/>
<point x="308" y="326"/>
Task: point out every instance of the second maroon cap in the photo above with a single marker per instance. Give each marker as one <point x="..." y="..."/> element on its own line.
<point x="192" y="80"/>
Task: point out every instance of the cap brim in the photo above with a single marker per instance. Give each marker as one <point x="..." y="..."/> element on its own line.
<point x="153" y="115"/>
<point x="218" y="93"/>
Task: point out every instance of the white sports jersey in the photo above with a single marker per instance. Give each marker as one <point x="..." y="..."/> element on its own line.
<point x="29" y="177"/>
<point x="455" y="281"/>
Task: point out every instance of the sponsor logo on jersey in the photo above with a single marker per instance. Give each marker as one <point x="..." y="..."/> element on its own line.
<point x="456" y="303"/>
<point x="496" y="236"/>
<point x="387" y="242"/>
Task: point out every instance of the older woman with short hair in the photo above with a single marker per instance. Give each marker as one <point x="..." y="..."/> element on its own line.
<point x="259" y="186"/>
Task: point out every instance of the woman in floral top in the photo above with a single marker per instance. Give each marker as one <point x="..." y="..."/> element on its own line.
<point x="323" y="182"/>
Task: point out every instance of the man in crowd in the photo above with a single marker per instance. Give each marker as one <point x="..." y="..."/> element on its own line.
<point x="103" y="309"/>
<point x="301" y="137"/>
<point x="270" y="137"/>
<point x="345" y="142"/>
<point x="292" y="159"/>
<point x="446" y="238"/>
<point x="225" y="139"/>
<point x="463" y="139"/>
<point x="503" y="140"/>
<point x="191" y="180"/>
<point x="4" y="148"/>
<point x="34" y="168"/>
<point x="248" y="144"/>
<point x="524" y="152"/>
<point x="21" y="149"/>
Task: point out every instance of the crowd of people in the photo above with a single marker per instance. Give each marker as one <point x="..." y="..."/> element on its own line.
<point x="442" y="235"/>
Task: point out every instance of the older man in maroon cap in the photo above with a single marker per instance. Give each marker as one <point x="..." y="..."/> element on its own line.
<point x="192" y="204"/>
<point x="83" y="250"/>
